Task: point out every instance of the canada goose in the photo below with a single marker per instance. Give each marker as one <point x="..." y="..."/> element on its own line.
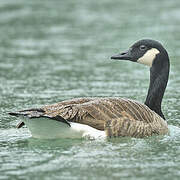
<point x="108" y="117"/>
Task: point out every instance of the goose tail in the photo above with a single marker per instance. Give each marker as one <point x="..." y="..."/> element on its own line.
<point x="31" y="113"/>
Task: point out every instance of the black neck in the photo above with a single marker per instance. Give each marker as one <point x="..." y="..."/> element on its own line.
<point x="159" y="74"/>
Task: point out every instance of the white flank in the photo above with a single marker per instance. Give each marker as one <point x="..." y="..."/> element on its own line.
<point x="45" y="128"/>
<point x="148" y="57"/>
<point x="87" y="131"/>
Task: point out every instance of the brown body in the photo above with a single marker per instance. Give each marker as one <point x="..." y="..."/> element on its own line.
<point x="115" y="116"/>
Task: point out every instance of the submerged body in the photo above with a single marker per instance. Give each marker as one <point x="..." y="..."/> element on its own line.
<point x="111" y="117"/>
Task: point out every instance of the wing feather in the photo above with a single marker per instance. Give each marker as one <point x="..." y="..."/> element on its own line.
<point x="118" y="117"/>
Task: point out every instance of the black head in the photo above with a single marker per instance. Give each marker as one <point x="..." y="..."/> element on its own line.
<point x="144" y="51"/>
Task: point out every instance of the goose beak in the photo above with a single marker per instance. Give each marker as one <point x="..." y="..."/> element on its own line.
<point x="123" y="56"/>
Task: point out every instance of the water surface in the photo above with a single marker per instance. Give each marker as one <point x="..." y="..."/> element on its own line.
<point x="56" y="50"/>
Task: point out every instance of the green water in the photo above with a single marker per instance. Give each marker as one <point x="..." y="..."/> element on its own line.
<point x="56" y="50"/>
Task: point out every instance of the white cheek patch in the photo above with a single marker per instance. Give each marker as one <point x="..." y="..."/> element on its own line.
<point x="148" y="57"/>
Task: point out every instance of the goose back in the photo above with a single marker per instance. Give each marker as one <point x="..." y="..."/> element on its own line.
<point x="115" y="116"/>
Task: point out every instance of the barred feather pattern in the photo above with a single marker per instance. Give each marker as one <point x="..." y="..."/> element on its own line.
<point x="115" y="116"/>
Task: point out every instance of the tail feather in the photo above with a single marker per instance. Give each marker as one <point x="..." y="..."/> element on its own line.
<point x="31" y="113"/>
<point x="36" y="113"/>
<point x="20" y="124"/>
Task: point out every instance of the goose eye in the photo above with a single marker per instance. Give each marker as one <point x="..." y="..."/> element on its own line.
<point x="142" y="47"/>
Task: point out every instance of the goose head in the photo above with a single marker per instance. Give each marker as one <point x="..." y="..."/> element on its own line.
<point x="153" y="54"/>
<point x="148" y="52"/>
